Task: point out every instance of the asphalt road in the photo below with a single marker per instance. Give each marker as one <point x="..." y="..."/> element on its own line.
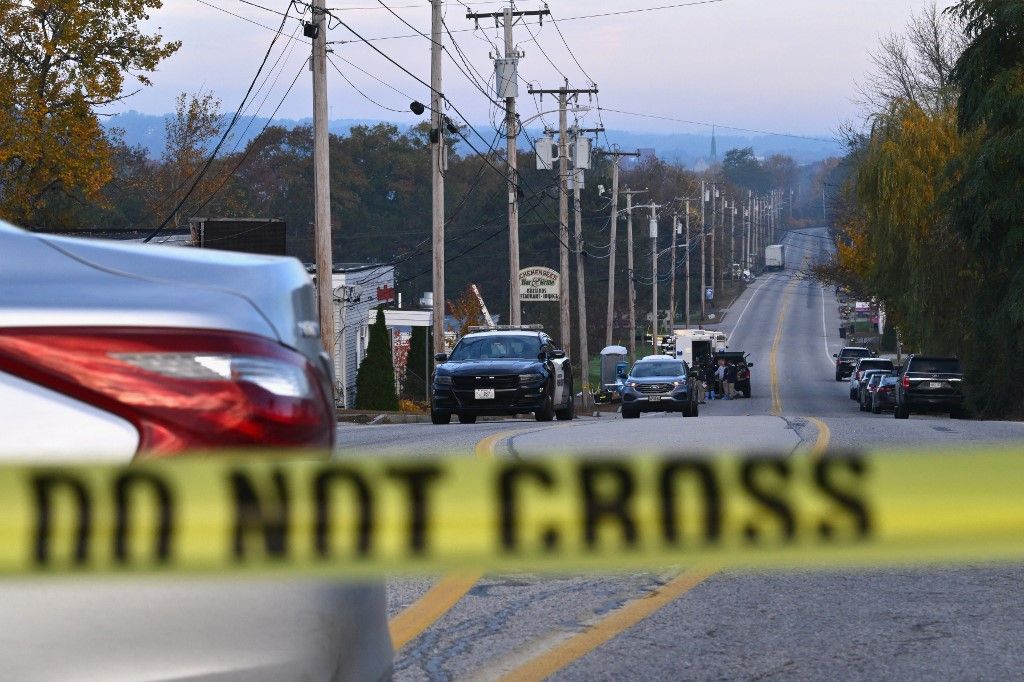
<point x="920" y="623"/>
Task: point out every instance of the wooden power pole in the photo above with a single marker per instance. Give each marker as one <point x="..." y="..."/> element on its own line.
<point x="564" y="316"/>
<point x="630" y="271"/>
<point x="437" y="171"/>
<point x="613" y="235"/>
<point x="507" y="88"/>
<point x="321" y="185"/>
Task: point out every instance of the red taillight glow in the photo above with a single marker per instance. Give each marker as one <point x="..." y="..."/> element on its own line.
<point x="906" y="381"/>
<point x="182" y="389"/>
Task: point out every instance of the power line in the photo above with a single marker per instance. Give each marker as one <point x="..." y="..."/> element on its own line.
<point x="227" y="131"/>
<point x="251" y="145"/>
<point x="718" y="125"/>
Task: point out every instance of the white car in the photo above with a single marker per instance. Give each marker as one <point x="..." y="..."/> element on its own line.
<point x="112" y="351"/>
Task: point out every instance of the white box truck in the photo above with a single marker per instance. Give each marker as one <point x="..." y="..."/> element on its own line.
<point x="774" y="258"/>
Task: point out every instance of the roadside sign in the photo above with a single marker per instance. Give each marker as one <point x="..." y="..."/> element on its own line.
<point x="709" y="294"/>
<point x="538" y="284"/>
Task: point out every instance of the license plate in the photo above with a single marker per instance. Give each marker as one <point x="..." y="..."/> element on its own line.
<point x="655" y="398"/>
<point x="484" y="394"/>
<point x="936" y="384"/>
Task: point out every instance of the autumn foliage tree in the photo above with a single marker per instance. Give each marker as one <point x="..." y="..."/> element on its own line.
<point x="59" y="61"/>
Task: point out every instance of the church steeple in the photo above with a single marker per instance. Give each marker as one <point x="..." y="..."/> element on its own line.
<point x="714" y="147"/>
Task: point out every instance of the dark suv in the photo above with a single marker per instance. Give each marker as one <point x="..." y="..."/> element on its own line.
<point x="930" y="384"/>
<point x="847" y="358"/>
<point x="502" y="372"/>
<point x="659" y="383"/>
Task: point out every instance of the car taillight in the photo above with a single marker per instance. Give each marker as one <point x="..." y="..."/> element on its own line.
<point x="884" y="390"/>
<point x="906" y="381"/>
<point x="182" y="389"/>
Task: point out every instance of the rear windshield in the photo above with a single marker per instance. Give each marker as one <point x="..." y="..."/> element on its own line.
<point x="935" y="365"/>
<point x="876" y="363"/>
<point x="855" y="353"/>
<point x="876" y="378"/>
<point x="888" y="380"/>
<point x="658" y="369"/>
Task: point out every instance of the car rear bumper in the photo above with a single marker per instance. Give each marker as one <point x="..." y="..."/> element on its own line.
<point x="925" y="403"/>
<point x="161" y="629"/>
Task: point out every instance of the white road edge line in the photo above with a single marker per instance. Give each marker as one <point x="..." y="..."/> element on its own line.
<point x="824" y="327"/>
<point x="750" y="300"/>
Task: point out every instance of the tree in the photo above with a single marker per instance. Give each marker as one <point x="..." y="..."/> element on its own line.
<point x="742" y="168"/>
<point x="916" y="65"/>
<point x="60" y="60"/>
<point x="375" y="383"/>
<point x="196" y="122"/>
<point x="987" y="196"/>
<point x="418" y="363"/>
<point x="466" y="310"/>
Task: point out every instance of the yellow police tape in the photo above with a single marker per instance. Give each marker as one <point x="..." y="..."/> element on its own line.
<point x="370" y="516"/>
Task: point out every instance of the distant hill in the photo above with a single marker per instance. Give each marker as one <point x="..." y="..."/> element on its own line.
<point x="147" y="130"/>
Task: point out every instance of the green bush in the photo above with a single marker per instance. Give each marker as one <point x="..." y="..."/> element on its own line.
<point x="419" y="362"/>
<point x="375" y="383"/>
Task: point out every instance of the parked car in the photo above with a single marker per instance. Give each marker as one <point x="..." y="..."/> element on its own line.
<point x="862" y="366"/>
<point x="847" y="358"/>
<point x="660" y="383"/>
<point x="884" y="397"/>
<point x="118" y="352"/>
<point x="930" y="384"/>
<point x="869" y="384"/>
<point x="502" y="372"/>
<point x="742" y="369"/>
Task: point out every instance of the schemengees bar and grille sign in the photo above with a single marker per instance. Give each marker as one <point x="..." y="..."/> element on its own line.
<point x="538" y="284"/>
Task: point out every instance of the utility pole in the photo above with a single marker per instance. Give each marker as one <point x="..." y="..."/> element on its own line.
<point x="631" y="273"/>
<point x="749" y="215"/>
<point x="563" y="93"/>
<point x="610" y="318"/>
<point x="703" y="234"/>
<point x="321" y="185"/>
<point x="507" y="87"/>
<point x="581" y="286"/>
<point x="714" y="226"/>
<point x="437" y="173"/>
<point x="654" y="276"/>
<point x="672" y="281"/>
<point x="732" y="242"/>
<point x="687" y="304"/>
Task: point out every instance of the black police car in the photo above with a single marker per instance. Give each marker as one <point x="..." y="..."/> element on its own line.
<point x="502" y="372"/>
<point x="659" y="383"/>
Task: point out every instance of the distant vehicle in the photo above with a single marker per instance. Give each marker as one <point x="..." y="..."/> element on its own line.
<point x="884" y="397"/>
<point x="930" y="384"/>
<point x="774" y="257"/>
<point x="863" y="365"/>
<point x="868" y="386"/>
<point x="697" y="346"/>
<point x="502" y="372"/>
<point x="120" y="352"/>
<point x="660" y="383"/>
<point x="742" y="369"/>
<point x="847" y="358"/>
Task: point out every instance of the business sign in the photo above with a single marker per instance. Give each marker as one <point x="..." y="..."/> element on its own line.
<point x="538" y="284"/>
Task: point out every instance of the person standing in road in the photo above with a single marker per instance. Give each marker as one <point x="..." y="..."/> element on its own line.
<point x="730" y="380"/>
<point x="720" y="378"/>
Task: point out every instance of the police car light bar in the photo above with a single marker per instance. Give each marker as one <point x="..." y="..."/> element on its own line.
<point x="508" y="327"/>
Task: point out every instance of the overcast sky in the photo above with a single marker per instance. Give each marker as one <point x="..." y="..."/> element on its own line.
<point x="776" y="65"/>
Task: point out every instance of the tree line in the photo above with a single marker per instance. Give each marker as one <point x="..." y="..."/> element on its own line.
<point x="929" y="218"/>
<point x="61" y="170"/>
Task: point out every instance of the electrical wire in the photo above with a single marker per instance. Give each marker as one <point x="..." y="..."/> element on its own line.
<point x="227" y="131"/>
